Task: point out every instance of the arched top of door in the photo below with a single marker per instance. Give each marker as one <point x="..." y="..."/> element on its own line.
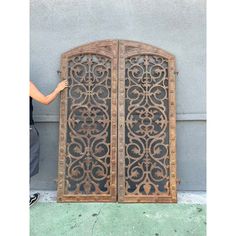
<point x="110" y="47"/>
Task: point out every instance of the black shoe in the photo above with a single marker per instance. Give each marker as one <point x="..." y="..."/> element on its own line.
<point x="34" y="198"/>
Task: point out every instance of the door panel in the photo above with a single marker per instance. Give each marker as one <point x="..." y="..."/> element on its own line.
<point x="88" y="119"/>
<point x="121" y="149"/>
<point x="146" y="134"/>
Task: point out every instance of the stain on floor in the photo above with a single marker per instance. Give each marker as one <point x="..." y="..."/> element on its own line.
<point x="105" y="219"/>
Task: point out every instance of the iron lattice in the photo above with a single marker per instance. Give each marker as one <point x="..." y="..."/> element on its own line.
<point x="125" y="149"/>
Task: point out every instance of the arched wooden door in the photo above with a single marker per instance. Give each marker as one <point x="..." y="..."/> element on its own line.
<point x="117" y="124"/>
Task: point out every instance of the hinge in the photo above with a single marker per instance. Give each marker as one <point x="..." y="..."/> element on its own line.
<point x="58" y="72"/>
<point x="178" y="181"/>
<point x="176" y="73"/>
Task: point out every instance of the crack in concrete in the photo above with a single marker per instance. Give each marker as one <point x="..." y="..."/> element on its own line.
<point x="97" y="218"/>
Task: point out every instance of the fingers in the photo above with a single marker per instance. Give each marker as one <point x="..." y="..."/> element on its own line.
<point x="66" y="84"/>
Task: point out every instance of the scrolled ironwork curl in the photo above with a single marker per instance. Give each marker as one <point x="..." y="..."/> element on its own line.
<point x="146" y="119"/>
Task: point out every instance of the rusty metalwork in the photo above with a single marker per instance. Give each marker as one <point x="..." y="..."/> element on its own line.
<point x="125" y="149"/>
<point x="87" y="162"/>
<point x="146" y="158"/>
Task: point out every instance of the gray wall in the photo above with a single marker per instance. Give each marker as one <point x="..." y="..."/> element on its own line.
<point x="177" y="26"/>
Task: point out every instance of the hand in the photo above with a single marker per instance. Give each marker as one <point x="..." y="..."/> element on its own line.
<point x="63" y="84"/>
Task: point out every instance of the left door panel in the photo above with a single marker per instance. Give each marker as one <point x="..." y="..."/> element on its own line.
<point x="88" y="124"/>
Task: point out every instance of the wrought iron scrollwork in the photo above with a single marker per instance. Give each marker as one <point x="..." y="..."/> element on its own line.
<point x="146" y="125"/>
<point x="88" y="125"/>
<point x="117" y="124"/>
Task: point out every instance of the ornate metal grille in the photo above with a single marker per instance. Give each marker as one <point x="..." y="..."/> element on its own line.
<point x="88" y="157"/>
<point x="146" y="111"/>
<point x="88" y="140"/>
<point x="146" y="161"/>
<point x="146" y="169"/>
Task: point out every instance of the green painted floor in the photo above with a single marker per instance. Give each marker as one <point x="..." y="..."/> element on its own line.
<point x="104" y="219"/>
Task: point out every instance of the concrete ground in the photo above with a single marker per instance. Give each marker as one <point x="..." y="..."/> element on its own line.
<point x="48" y="218"/>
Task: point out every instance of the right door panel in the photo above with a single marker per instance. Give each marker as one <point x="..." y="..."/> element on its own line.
<point x="146" y="124"/>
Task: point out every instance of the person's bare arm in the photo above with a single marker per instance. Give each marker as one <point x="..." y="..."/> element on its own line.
<point x="38" y="96"/>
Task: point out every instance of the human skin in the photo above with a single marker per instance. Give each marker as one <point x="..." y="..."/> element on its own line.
<point x="46" y="99"/>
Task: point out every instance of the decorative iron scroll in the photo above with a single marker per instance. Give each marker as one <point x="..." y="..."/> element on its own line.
<point x="117" y="124"/>
<point x="88" y="140"/>
<point x="87" y="161"/>
<point x="144" y="161"/>
<point x="146" y="111"/>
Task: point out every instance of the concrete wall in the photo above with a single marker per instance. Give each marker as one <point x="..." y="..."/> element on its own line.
<point x="177" y="26"/>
